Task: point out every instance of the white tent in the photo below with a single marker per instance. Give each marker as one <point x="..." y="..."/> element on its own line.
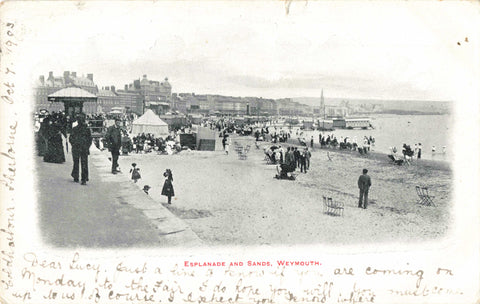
<point x="149" y="122"/>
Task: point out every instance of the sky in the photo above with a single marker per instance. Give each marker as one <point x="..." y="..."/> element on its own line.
<point x="357" y="49"/>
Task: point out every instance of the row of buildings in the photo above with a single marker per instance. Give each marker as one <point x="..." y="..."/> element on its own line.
<point x="142" y="94"/>
<point x="210" y="103"/>
<point x="134" y="97"/>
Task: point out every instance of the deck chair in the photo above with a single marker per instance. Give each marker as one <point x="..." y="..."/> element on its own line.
<point x="269" y="159"/>
<point x="332" y="208"/>
<point x="242" y="153"/>
<point x="424" y="198"/>
<point x="326" y="208"/>
<point x="396" y="160"/>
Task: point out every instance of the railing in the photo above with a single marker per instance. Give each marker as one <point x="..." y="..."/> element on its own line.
<point x="96" y="127"/>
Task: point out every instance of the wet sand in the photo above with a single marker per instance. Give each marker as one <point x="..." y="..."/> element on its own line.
<point x="228" y="201"/>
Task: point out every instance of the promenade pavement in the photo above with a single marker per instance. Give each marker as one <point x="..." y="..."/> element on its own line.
<point x="110" y="211"/>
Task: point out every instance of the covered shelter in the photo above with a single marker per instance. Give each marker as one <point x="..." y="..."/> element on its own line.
<point x="159" y="107"/>
<point x="149" y="122"/>
<point x="117" y="110"/>
<point x="73" y="99"/>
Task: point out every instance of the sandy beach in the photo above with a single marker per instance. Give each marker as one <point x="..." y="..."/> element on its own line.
<point x="228" y="201"/>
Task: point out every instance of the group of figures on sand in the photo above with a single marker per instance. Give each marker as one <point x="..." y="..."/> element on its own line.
<point x="113" y="139"/>
<point x="294" y="158"/>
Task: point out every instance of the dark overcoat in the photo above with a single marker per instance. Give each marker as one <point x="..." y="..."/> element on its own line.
<point x="81" y="139"/>
<point x="113" y="138"/>
<point x="364" y="182"/>
<point x="167" y="189"/>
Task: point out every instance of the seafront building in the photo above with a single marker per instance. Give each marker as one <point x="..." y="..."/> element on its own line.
<point x="143" y="94"/>
<point x="136" y="97"/>
<point x="44" y="87"/>
<point x="109" y="98"/>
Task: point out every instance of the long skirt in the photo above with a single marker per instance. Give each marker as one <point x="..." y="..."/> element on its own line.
<point x="54" y="152"/>
<point x="167" y="189"/>
<point x="41" y="145"/>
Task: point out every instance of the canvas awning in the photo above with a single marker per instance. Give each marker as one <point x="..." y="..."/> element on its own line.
<point x="149" y="122"/>
<point x="73" y="98"/>
<point x="159" y="103"/>
<point x="71" y="94"/>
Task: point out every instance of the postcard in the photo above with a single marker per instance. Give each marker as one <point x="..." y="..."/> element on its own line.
<point x="239" y="152"/>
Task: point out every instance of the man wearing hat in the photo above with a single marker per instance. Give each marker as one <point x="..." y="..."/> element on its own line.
<point x="364" y="184"/>
<point x="81" y="140"/>
<point x="113" y="138"/>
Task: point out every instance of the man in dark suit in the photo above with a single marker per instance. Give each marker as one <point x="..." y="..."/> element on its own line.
<point x="364" y="184"/>
<point x="113" y="138"/>
<point x="81" y="140"/>
<point x="303" y="161"/>
<point x="308" y="155"/>
<point x="296" y="155"/>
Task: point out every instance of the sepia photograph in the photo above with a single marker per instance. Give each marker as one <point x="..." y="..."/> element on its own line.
<point x="270" y="136"/>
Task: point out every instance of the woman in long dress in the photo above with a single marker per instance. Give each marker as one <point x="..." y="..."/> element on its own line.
<point x="41" y="139"/>
<point x="54" y="152"/>
<point x="167" y="189"/>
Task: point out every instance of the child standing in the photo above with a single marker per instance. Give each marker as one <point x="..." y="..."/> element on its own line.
<point x="135" y="174"/>
<point x="167" y="189"/>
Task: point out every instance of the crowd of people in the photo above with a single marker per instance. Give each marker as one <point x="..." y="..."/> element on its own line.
<point x="146" y="143"/>
<point x="346" y="143"/>
<point x="408" y="153"/>
<point x="290" y="159"/>
<point x="274" y="134"/>
<point x="97" y="122"/>
<point x="279" y="135"/>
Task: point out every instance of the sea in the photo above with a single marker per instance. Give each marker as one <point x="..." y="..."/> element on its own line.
<point x="395" y="130"/>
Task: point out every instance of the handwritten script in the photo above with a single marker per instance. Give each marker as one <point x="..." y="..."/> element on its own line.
<point x="8" y="163"/>
<point x="76" y="278"/>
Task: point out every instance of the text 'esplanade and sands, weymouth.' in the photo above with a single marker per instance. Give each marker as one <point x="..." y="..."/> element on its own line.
<point x="250" y="263"/>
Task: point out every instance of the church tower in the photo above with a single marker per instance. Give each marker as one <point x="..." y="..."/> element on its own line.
<point x="322" y="105"/>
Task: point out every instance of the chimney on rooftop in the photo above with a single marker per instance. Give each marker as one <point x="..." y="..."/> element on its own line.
<point x="74" y="74"/>
<point x="90" y="76"/>
<point x="50" y="75"/>
<point x="112" y="88"/>
<point x="126" y="87"/>
<point x="42" y="79"/>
